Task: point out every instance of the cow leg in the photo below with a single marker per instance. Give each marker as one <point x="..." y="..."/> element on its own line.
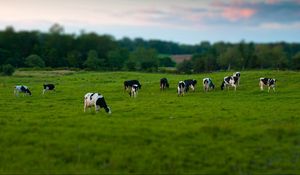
<point x="96" y="110"/>
<point x="192" y="87"/>
<point x="269" y="89"/>
<point x="261" y="86"/>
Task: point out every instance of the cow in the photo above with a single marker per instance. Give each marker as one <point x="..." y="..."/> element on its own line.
<point x="48" y="87"/>
<point x="22" y="89"/>
<point x="181" y="88"/>
<point x="128" y="84"/>
<point x="164" y="84"/>
<point x="270" y="82"/>
<point x="229" y="81"/>
<point x="134" y="90"/>
<point x="208" y="84"/>
<point x="95" y="100"/>
<point x="190" y="84"/>
<point x="237" y="74"/>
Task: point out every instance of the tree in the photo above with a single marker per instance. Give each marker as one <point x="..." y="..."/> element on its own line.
<point x="56" y="29"/>
<point x="34" y="61"/>
<point x="130" y="65"/>
<point x="92" y="62"/>
<point x="146" y="59"/>
<point x="7" y="69"/>
<point x="296" y="61"/>
<point x="117" y="58"/>
<point x="185" y="67"/>
<point x="166" y="62"/>
<point x="279" y="58"/>
<point x="73" y="58"/>
<point x="231" y="58"/>
<point x="263" y="56"/>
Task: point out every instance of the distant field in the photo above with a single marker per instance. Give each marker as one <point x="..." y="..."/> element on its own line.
<point x="219" y="132"/>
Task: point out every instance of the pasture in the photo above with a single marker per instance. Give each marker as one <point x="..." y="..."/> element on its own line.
<point x="220" y="132"/>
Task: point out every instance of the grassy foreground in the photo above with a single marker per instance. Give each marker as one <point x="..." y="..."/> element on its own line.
<point x="219" y="132"/>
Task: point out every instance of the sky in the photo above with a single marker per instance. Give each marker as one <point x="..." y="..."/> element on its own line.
<point x="181" y="21"/>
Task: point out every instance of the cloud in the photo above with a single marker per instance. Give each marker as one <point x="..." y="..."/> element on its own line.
<point x="234" y="14"/>
<point x="279" y="26"/>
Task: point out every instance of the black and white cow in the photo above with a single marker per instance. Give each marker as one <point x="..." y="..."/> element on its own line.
<point x="208" y="84"/>
<point x="48" y="87"/>
<point x="181" y="88"/>
<point x="237" y="74"/>
<point x="134" y="90"/>
<point x="164" y="84"/>
<point x="190" y="84"/>
<point x="95" y="100"/>
<point x="270" y="82"/>
<point x="22" y="89"/>
<point x="229" y="81"/>
<point x="128" y="84"/>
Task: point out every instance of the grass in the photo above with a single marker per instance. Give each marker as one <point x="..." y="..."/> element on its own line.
<point x="219" y="132"/>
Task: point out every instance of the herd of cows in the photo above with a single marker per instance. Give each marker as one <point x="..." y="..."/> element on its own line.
<point x="132" y="86"/>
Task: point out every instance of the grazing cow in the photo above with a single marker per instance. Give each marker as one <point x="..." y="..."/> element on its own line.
<point x="181" y="88"/>
<point x="190" y="84"/>
<point x="96" y="100"/>
<point x="134" y="90"/>
<point x="270" y="82"/>
<point x="208" y="84"/>
<point x="22" y="89"/>
<point x="129" y="83"/>
<point x="48" y="87"/>
<point x="164" y="84"/>
<point x="237" y="74"/>
<point x="229" y="81"/>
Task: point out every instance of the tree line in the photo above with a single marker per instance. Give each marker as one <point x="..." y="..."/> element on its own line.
<point x="91" y="51"/>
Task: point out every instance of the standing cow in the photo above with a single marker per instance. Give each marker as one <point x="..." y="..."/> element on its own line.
<point x="190" y="84"/>
<point x="208" y="84"/>
<point x="48" y="87"/>
<point x="229" y="81"/>
<point x="164" y="84"/>
<point x="270" y="82"/>
<point x="95" y="100"/>
<point x="181" y="88"/>
<point x="21" y="89"/>
<point x="128" y="84"/>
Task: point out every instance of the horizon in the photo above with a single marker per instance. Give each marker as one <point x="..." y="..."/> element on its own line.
<point x="184" y="22"/>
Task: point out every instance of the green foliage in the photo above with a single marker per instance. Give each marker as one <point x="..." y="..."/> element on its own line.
<point x="146" y="59"/>
<point x="56" y="29"/>
<point x="117" y="58"/>
<point x="204" y="62"/>
<point x="7" y="69"/>
<point x="130" y="65"/>
<point x="230" y="59"/>
<point x="92" y="62"/>
<point x="166" y="62"/>
<point x="59" y="49"/>
<point x="73" y="58"/>
<point x="185" y="67"/>
<point x="220" y="132"/>
<point x="296" y="61"/>
<point x="34" y="61"/>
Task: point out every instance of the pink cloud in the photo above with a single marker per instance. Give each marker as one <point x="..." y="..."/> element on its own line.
<point x="272" y="1"/>
<point x="235" y="13"/>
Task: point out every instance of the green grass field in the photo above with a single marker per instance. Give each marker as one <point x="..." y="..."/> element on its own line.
<point x="220" y="132"/>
